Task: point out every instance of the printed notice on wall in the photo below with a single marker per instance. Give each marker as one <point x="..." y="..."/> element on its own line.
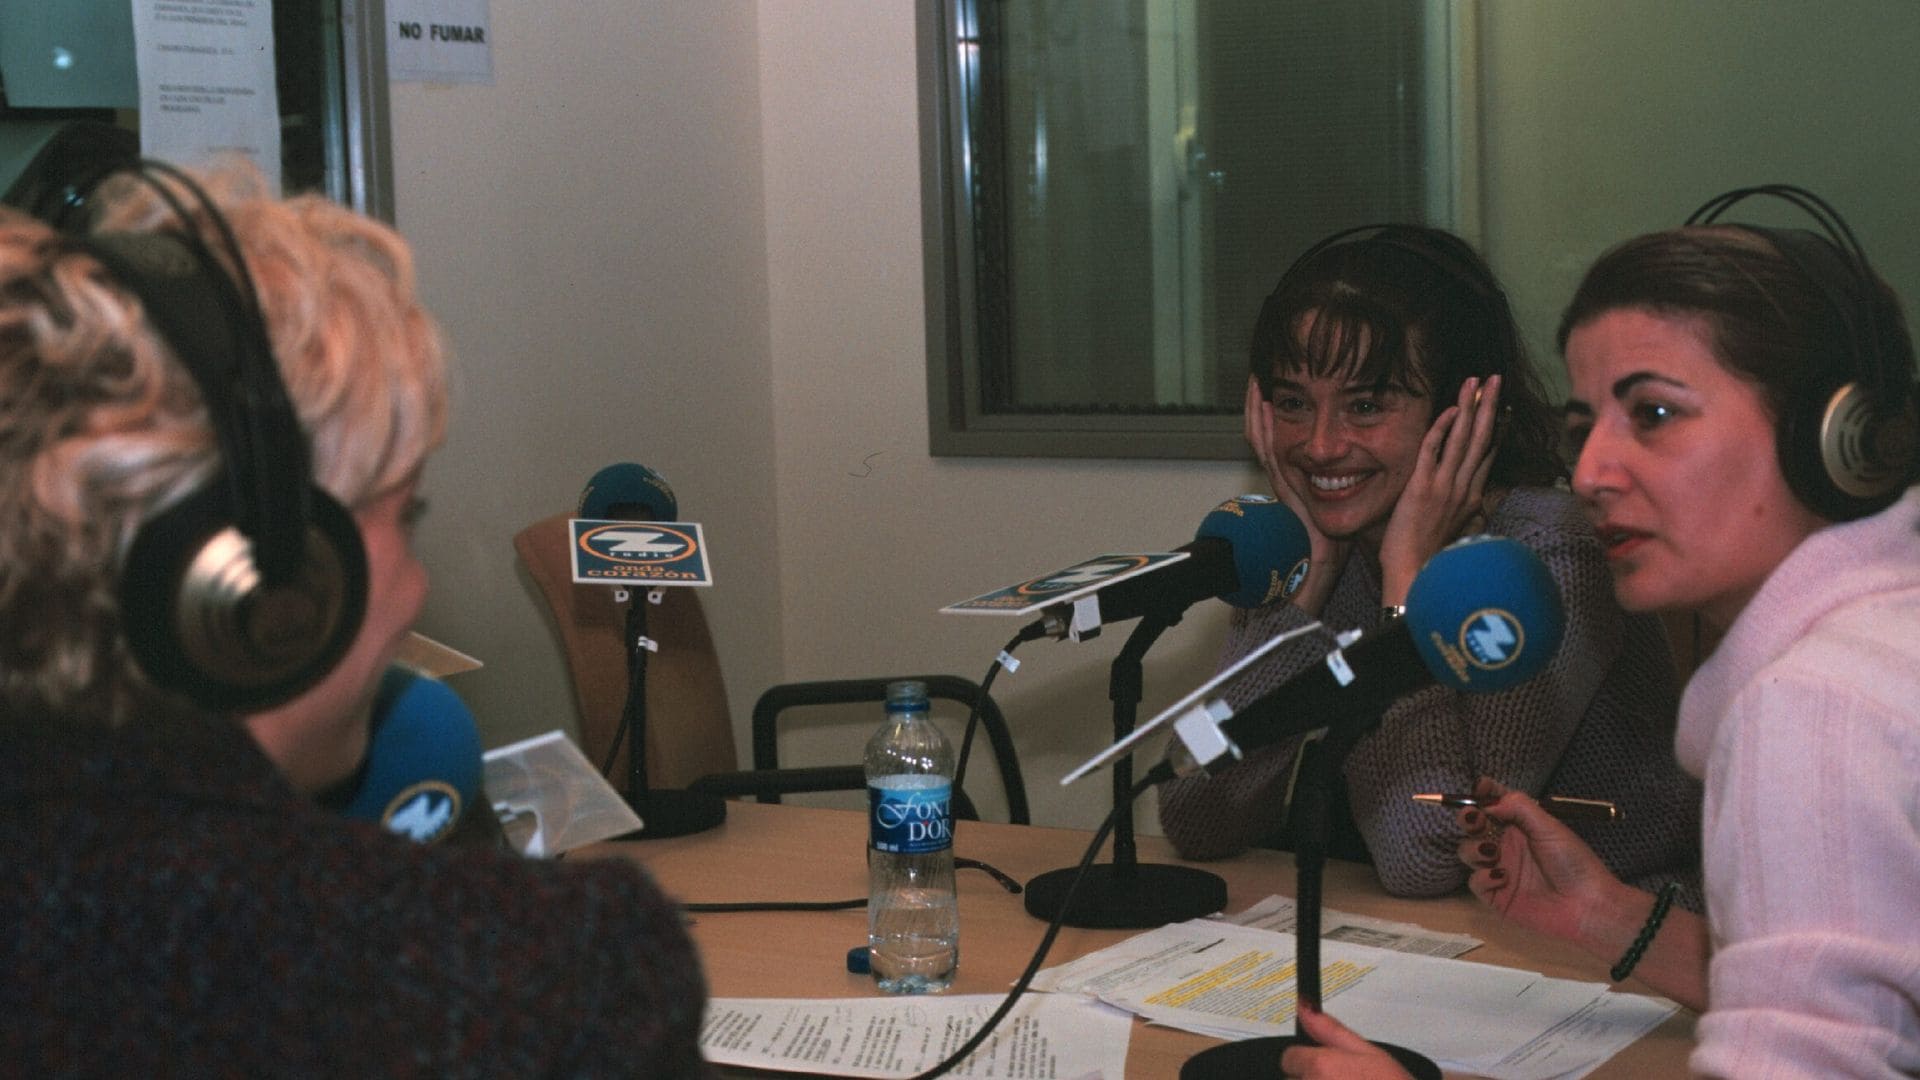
<point x="441" y="41"/>
<point x="207" y="82"/>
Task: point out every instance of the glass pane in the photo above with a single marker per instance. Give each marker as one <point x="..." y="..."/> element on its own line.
<point x="306" y="39"/>
<point x="76" y="62"/>
<point x="1147" y="169"/>
<point x="1079" y="274"/>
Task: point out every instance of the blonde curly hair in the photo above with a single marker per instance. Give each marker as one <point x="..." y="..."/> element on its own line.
<point x="101" y="427"/>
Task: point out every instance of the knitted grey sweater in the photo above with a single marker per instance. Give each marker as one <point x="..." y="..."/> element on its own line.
<point x="1596" y="723"/>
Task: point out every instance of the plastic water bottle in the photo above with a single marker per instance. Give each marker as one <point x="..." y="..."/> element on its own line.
<point x="913" y="917"/>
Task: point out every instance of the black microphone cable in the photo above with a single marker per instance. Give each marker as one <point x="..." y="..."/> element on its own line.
<point x="1046" y="940"/>
<point x="1027" y="633"/>
<point x="613" y="750"/>
<point x="959" y="774"/>
<point x="727" y="906"/>
<point x="1039" y="953"/>
<point x="1154" y="776"/>
<point x="1053" y="929"/>
<point x="634" y="596"/>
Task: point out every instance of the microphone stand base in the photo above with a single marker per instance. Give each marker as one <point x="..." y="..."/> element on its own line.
<point x="1135" y="897"/>
<point x="1258" y="1059"/>
<point x="675" y="813"/>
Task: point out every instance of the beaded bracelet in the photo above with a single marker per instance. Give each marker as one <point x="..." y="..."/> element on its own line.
<point x="1620" y="971"/>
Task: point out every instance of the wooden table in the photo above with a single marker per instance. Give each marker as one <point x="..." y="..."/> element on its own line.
<point x="766" y="852"/>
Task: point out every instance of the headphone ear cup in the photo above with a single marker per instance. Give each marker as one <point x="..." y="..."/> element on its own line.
<point x="202" y="622"/>
<point x="1840" y="459"/>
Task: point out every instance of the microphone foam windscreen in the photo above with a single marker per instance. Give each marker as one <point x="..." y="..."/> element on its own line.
<point x="628" y="492"/>
<point x="1485" y="614"/>
<point x="1270" y="547"/>
<point x="423" y="764"/>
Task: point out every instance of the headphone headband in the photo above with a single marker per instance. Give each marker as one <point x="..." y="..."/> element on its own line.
<point x="249" y="589"/>
<point x="254" y="424"/>
<point x="1834" y="245"/>
<point x="1422" y="242"/>
<point x="1847" y="449"/>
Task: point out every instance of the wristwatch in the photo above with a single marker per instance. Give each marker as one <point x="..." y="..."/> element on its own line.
<point x="1390" y="612"/>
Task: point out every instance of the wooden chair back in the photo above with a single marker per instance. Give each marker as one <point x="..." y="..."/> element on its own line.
<point x="689" y="728"/>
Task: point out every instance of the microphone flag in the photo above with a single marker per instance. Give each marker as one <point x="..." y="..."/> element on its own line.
<point x="626" y="534"/>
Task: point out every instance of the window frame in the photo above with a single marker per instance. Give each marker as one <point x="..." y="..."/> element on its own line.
<point x="957" y="427"/>
<point x="368" y="168"/>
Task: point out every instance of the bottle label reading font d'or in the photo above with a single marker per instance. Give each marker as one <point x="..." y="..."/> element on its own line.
<point x="911" y="820"/>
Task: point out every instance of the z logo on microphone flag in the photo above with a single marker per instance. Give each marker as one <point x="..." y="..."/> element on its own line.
<point x="639" y="553"/>
<point x="1061" y="586"/>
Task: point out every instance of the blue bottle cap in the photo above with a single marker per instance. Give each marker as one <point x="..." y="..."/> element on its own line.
<point x="858" y="961"/>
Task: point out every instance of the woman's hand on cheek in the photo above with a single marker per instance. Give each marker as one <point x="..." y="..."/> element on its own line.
<point x="1257" y="426"/>
<point x="1446" y="489"/>
<point x="1325" y="555"/>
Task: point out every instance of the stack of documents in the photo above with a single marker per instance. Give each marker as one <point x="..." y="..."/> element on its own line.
<point x="1231" y="978"/>
<point x="1235" y="982"/>
<point x="1279" y="913"/>
<point x="1045" y="1037"/>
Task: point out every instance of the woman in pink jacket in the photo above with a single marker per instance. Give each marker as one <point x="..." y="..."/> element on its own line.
<point x="1743" y="401"/>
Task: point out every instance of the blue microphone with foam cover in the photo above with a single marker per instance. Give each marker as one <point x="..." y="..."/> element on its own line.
<point x="423" y="763"/>
<point x="1483" y="615"/>
<point x="1249" y="551"/>
<point x="628" y="492"/>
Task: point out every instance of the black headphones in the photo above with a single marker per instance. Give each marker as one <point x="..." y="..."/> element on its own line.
<point x="1437" y="248"/>
<point x="248" y="590"/>
<point x="1847" y="450"/>
<point x="1452" y="257"/>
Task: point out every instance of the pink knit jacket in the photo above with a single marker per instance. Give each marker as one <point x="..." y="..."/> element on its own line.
<point x="1805" y="726"/>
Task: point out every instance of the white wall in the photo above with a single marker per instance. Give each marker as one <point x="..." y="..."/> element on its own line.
<point x="590" y="229"/>
<point x="876" y="535"/>
<point x="1604" y="120"/>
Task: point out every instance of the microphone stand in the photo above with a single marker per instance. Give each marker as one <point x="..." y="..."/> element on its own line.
<point x="1124" y="894"/>
<point x="1313" y="830"/>
<point x="662" y="813"/>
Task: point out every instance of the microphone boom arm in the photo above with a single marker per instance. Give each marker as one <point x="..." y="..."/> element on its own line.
<point x="1325" y="695"/>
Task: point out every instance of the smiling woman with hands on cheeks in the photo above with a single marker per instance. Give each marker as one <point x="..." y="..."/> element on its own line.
<point x="1392" y="407"/>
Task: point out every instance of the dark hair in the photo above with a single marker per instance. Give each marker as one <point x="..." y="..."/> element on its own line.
<point x="1768" y="320"/>
<point x="1414" y="307"/>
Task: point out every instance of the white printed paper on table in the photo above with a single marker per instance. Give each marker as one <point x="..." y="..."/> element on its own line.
<point x="207" y="88"/>
<point x="1045" y="1037"/>
<point x="1279" y="913"/>
<point x="1236" y="982"/>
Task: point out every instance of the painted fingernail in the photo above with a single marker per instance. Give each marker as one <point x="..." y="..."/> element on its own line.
<point x="1497" y="874"/>
<point x="1489" y="849"/>
<point x="1471" y="819"/>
